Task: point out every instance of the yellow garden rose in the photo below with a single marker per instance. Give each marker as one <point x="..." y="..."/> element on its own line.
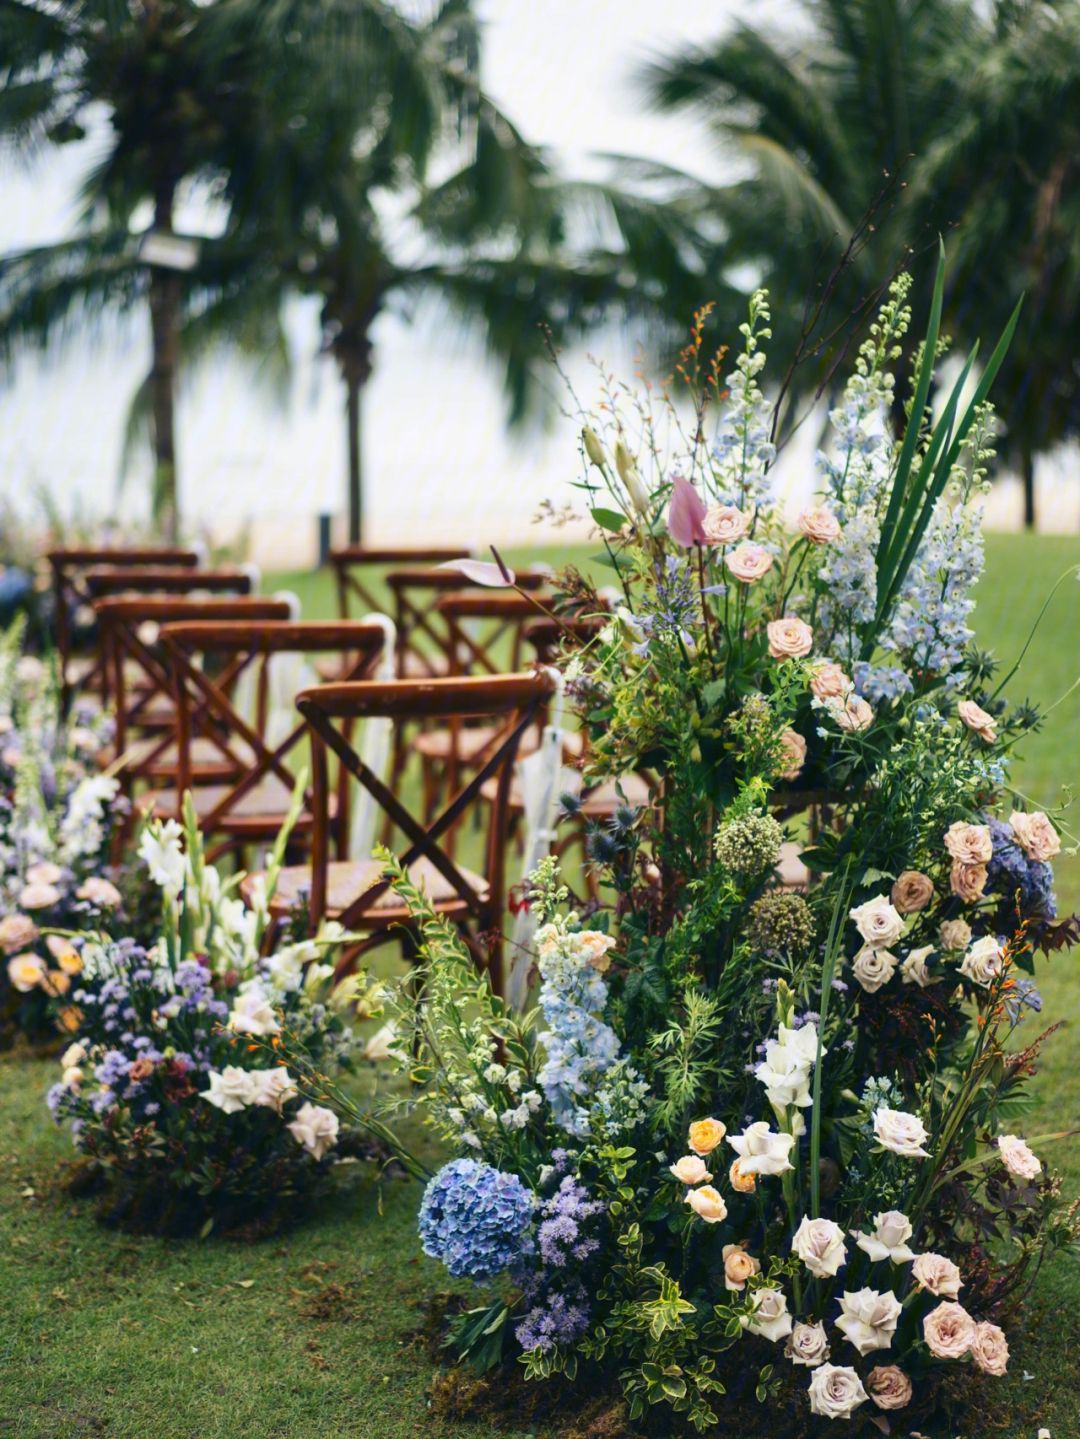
<point x="705" y="1135"/>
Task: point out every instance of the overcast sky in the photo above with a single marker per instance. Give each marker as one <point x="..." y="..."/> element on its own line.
<point x="435" y="446"/>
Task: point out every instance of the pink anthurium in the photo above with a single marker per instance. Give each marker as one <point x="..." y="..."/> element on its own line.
<point x="481" y="572"/>
<point x="685" y="513"/>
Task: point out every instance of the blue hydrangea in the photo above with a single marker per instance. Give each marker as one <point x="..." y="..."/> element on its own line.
<point x="476" y="1219"/>
<point x="1011" y="873"/>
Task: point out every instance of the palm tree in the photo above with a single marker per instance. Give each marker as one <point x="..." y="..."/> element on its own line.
<point x="183" y="84"/>
<point x="928" y="117"/>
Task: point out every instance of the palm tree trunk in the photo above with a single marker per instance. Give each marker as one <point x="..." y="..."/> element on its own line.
<point x="165" y="337"/>
<point x="1027" y="473"/>
<point x="353" y="419"/>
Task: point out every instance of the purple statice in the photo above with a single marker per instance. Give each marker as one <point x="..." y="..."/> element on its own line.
<point x="476" y="1220"/>
<point x="1017" y="878"/>
<point x="555" y="1318"/>
<point x="674" y="605"/>
<point x="564" y="1219"/>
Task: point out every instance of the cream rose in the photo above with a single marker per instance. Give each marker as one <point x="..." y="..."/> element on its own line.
<point x="990" y="1349"/>
<point x="808" y="1345"/>
<point x="705" y="1135"/>
<point x="44" y="872"/>
<point x="101" y="892"/>
<point x="315" y="1128"/>
<point x="1017" y="1158"/>
<point x="792" y="754"/>
<point x="738" y="1267"/>
<point x="690" y="1170"/>
<point x="748" y="563"/>
<point x="1035" y="835"/>
<point x="878" y="922"/>
<point x="17" y="931"/>
<point x="937" y="1275"/>
<point x="26" y="972"/>
<point x="740" y="1181"/>
<point x="969" y="843"/>
<point x="819" y="525"/>
<point x="967" y="881"/>
<point x="892" y="1230"/>
<point x="230" y="1090"/>
<point x="252" y="1013"/>
<point x="903" y="1134"/>
<point x="829" y="682"/>
<point x="39" y="896"/>
<point x="272" y="1088"/>
<point x="868" y="1319"/>
<point x="912" y="891"/>
<point x="977" y="720"/>
<point x="73" y="1055"/>
<point x="855" y="715"/>
<point x="983" y="962"/>
<point x="761" y="1151"/>
<point x="789" y="638"/>
<point x="873" y="968"/>
<point x="819" y="1243"/>
<point x="707" y="1203"/>
<point x="949" y="1331"/>
<point x="724" y="525"/>
<point x="770" y="1318"/>
<point x="835" y="1391"/>
<point x="955" y="934"/>
<point x="889" y="1387"/>
<point x="914" y="969"/>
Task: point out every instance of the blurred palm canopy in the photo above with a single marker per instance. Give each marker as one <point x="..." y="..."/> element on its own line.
<point x="347" y="150"/>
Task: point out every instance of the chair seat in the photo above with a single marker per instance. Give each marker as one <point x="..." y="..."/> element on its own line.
<point x="264" y="807"/>
<point x="473" y="740"/>
<point x="598" y="803"/>
<point x="347" y="880"/>
<point x="208" y="763"/>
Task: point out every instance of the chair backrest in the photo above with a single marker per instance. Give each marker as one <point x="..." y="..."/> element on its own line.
<point x="423" y="636"/>
<point x="484" y="628"/>
<point x="356" y="567"/>
<point x="206" y="699"/>
<point x="68" y="566"/>
<point x="138" y="677"/>
<point x="555" y="638"/>
<point x="512" y="702"/>
<point x="155" y="580"/>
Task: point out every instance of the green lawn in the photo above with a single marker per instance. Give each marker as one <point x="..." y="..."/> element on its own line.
<point x="308" y="1337"/>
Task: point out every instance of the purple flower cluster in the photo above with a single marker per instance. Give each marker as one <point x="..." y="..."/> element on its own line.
<point x="562" y="1219"/>
<point x="557" y="1318"/>
<point x="1010" y="873"/>
<point x="676" y="610"/>
<point x="476" y="1219"/>
<point x="558" y="1303"/>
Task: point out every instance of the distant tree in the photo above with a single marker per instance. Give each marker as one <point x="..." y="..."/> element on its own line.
<point x="899" y="120"/>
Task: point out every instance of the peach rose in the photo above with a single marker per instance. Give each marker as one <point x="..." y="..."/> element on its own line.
<point x="789" y="638"/>
<point x="829" y="682"/>
<point x="855" y="715"/>
<point x="26" y="972"/>
<point x="912" y="891"/>
<point x="39" y="896"/>
<point x="990" y="1349"/>
<point x="1035" y="835"/>
<point x="949" y="1331"/>
<point x="792" y="754"/>
<point x="55" y="982"/>
<point x="937" y="1275"/>
<point x="955" y="934"/>
<point x="64" y="952"/>
<point x="740" y="1182"/>
<point x="101" y="892"/>
<point x="1018" y="1158"/>
<point x="690" y="1170"/>
<point x="969" y="843"/>
<point x="888" y="1386"/>
<point x="724" y="524"/>
<point x="977" y="720"/>
<point x="749" y="562"/>
<point x="44" y="872"/>
<point x="738" y="1267"/>
<point x="705" y="1135"/>
<point x="707" y="1203"/>
<point x="17" y="931"/>
<point x="819" y="525"/>
<point x="967" y="881"/>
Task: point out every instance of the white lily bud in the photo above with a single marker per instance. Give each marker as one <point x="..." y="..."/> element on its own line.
<point x="593" y="447"/>
<point x="628" y="473"/>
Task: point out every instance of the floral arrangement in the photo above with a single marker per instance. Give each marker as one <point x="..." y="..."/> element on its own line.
<point x="173" y="1087"/>
<point x="756" y="1135"/>
<point x="57" y="818"/>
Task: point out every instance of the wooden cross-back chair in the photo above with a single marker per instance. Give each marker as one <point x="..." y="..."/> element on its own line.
<point x="105" y="582"/>
<point x="140" y="684"/>
<point x="356" y="893"/>
<point x="356" y="568"/>
<point x="252" y="806"/>
<point x="423" y="635"/>
<point x="68" y="566"/>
